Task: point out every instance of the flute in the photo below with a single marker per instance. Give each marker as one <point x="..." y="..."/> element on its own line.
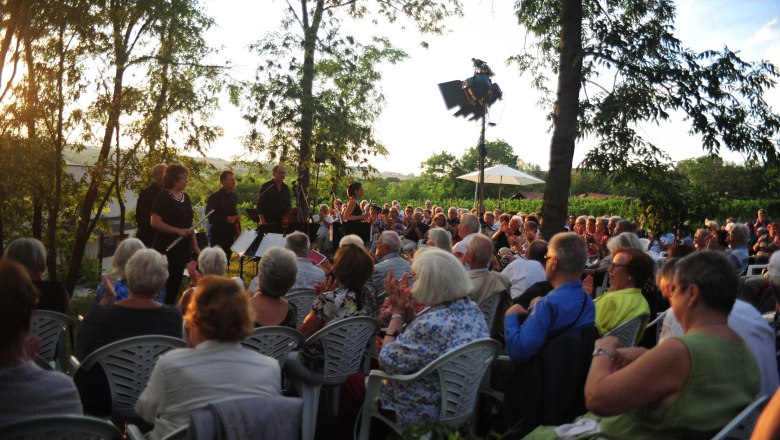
<point x="180" y="238"/>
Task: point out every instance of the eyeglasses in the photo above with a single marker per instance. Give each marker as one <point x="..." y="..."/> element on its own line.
<point x="614" y="265"/>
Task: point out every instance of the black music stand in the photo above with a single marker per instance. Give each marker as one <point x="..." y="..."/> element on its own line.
<point x="309" y="229"/>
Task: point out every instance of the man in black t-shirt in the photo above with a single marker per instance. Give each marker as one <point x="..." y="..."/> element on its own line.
<point x="143" y="210"/>
<point x="274" y="199"/>
<point x="225" y="221"/>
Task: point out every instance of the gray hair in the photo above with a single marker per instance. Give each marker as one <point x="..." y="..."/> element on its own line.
<point x="713" y="274"/>
<point x="571" y="252"/>
<point x="147" y="272"/>
<point x="298" y="242"/>
<point x="441" y="237"/>
<point x="351" y="239"/>
<point x="480" y="248"/>
<point x="739" y="235"/>
<point x="126" y="249"/>
<point x="471" y="222"/>
<point x="30" y="253"/>
<point x="277" y="271"/>
<point x="624" y="240"/>
<point x="439" y="277"/>
<point x="212" y="261"/>
<point x="391" y="240"/>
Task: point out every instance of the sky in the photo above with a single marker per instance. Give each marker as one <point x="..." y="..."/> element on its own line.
<point x="415" y="123"/>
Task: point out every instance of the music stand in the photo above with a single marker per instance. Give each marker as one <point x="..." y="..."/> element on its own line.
<point x="363" y="230"/>
<point x="309" y="229"/>
<point x="252" y="214"/>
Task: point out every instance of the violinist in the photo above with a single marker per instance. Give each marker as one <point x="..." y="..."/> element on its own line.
<point x="274" y="199"/>
<point x="225" y="221"/>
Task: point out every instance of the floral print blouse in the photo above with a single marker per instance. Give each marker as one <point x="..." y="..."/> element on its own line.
<point x="445" y="327"/>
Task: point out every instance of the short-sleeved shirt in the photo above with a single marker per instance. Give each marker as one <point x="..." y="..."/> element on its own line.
<point x="174" y="213"/>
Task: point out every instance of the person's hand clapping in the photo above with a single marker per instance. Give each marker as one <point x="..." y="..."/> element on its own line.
<point x="587" y="284"/>
<point x="109" y="294"/>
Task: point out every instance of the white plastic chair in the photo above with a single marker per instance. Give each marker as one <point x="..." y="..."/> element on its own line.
<point x="755" y="269"/>
<point x="128" y="364"/>
<point x="61" y="427"/>
<point x="460" y="372"/>
<point x="489" y="307"/>
<point x="344" y="344"/>
<point x="658" y="323"/>
<point x="741" y="426"/>
<point x="51" y="327"/>
<point x="628" y="332"/>
<point x="274" y="341"/>
<point x="302" y="300"/>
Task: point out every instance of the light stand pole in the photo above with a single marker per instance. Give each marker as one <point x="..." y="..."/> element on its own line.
<point x="482" y="154"/>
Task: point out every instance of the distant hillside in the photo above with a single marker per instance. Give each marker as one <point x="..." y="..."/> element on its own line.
<point x="89" y="155"/>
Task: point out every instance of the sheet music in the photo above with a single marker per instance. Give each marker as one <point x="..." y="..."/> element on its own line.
<point x="270" y="239"/>
<point x="243" y="242"/>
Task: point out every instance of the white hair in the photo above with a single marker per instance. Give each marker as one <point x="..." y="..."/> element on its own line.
<point x="147" y="272"/>
<point x="212" y="261"/>
<point x="351" y="239"/>
<point x="439" y="277"/>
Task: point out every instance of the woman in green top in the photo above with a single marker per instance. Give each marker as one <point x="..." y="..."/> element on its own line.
<point x="692" y="384"/>
<point x="629" y="271"/>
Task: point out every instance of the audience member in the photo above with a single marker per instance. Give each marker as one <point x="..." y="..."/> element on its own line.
<point x="629" y="271"/>
<point x="31" y="254"/>
<point x="126" y="249"/>
<point x="670" y="391"/>
<point x="25" y="389"/>
<point x="387" y="247"/>
<point x="467" y="229"/>
<point x="215" y="367"/>
<point x="276" y="274"/>
<point x="211" y="261"/>
<point x="139" y="314"/>
<point x="565" y="308"/>
<point x="308" y="274"/>
<point x="440" y="238"/>
<point x="523" y="273"/>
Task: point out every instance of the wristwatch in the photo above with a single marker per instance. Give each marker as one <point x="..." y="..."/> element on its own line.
<point x="599" y="351"/>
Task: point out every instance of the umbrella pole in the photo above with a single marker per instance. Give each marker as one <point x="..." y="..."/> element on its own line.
<point x="500" y="180"/>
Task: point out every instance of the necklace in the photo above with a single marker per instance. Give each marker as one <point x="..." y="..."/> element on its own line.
<point x="179" y="199"/>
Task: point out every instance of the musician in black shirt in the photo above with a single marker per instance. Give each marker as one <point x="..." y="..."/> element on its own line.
<point x="225" y="221"/>
<point x="274" y="199"/>
<point x="172" y="218"/>
<point x="143" y="209"/>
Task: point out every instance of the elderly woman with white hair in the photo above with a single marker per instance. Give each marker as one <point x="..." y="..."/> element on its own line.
<point x="31" y="254"/>
<point x="453" y="320"/>
<point x="211" y="261"/>
<point x="440" y="238"/>
<point x="139" y="314"/>
<point x="126" y="249"/>
<point x="276" y="274"/>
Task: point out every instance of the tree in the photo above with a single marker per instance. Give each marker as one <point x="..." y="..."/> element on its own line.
<point x="632" y="69"/>
<point x="319" y="89"/>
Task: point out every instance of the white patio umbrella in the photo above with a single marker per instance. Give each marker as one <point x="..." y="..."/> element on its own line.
<point x="502" y="174"/>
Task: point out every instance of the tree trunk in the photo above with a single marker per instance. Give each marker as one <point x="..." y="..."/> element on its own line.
<point x="59" y="147"/>
<point x="310" y="31"/>
<point x="97" y="173"/>
<point x="556" y="193"/>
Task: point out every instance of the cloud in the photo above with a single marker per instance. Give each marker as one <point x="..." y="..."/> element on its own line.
<point x="769" y="33"/>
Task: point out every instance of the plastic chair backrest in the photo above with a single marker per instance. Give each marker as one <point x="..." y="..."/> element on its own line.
<point x="460" y="374"/>
<point x="128" y="364"/>
<point x="741" y="426"/>
<point x="658" y="323"/>
<point x="344" y="344"/>
<point x="50" y="326"/>
<point x="274" y="341"/>
<point x="489" y="307"/>
<point x="755" y="269"/>
<point x="61" y="427"/>
<point x="628" y="331"/>
<point x="302" y="300"/>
